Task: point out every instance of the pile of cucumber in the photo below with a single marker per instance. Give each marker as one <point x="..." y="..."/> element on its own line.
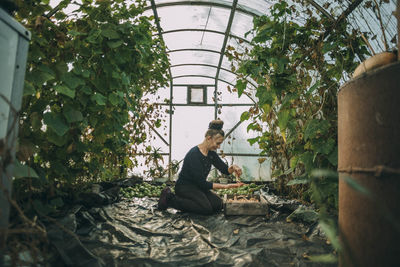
<point x="142" y="190"/>
<point x="245" y="190"/>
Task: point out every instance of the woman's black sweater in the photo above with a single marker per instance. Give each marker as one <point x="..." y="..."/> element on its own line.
<point x="196" y="168"/>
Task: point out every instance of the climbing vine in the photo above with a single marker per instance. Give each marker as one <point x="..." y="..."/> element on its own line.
<point x="298" y="65"/>
<point x="83" y="108"/>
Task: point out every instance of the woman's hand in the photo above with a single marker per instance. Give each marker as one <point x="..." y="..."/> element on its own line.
<point x="239" y="184"/>
<point x="235" y="169"/>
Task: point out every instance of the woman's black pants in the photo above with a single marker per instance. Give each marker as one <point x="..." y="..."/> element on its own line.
<point x="190" y="198"/>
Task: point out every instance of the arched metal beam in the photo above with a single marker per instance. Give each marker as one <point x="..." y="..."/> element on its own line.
<point x="221" y="55"/>
<point x="194" y="49"/>
<point x="216" y="3"/>
<point x="206" y="30"/>
<point x="209" y="65"/>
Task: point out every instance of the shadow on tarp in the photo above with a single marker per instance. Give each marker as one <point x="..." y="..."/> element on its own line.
<point x="134" y="233"/>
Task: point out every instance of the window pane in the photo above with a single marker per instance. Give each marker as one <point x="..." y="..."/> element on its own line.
<point x="196" y="95"/>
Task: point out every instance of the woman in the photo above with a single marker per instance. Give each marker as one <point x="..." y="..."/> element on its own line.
<point x="192" y="190"/>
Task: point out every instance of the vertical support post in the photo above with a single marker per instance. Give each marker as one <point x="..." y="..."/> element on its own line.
<point x="171" y="95"/>
<point x="157" y="20"/>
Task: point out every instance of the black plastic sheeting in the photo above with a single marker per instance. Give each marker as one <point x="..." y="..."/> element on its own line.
<point x="134" y="233"/>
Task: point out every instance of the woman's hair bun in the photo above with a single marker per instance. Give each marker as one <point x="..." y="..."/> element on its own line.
<point x="216" y="125"/>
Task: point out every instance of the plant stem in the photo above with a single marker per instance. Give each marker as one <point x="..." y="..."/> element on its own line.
<point x="381" y="24"/>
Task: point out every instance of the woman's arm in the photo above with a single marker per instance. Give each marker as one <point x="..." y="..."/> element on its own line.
<point x="226" y="186"/>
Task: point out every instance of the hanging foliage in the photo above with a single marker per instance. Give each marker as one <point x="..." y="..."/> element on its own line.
<point x="82" y="114"/>
<point x="299" y="63"/>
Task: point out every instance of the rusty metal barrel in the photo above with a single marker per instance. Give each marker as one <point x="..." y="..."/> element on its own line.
<point x="369" y="168"/>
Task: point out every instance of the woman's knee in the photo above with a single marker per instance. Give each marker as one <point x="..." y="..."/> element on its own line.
<point x="206" y="210"/>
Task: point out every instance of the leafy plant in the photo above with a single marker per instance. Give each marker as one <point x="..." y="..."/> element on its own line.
<point x="83" y="105"/>
<point x="298" y="70"/>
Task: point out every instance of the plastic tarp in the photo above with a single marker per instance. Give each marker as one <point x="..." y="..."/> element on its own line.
<point x="132" y="232"/>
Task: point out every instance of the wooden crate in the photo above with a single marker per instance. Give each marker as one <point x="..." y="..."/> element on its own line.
<point x="237" y="207"/>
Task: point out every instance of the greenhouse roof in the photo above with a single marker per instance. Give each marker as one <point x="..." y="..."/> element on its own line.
<point x="199" y="36"/>
<point x="197" y="33"/>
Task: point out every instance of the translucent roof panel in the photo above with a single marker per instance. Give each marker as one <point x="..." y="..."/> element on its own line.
<point x="258" y="7"/>
<point x="227" y="76"/>
<point x="194" y="80"/>
<point x="190" y="57"/>
<point x="193" y="17"/>
<point x="369" y="19"/>
<point x="241" y="24"/>
<point x="193" y="39"/>
<point x="239" y="44"/>
<point x="189" y="70"/>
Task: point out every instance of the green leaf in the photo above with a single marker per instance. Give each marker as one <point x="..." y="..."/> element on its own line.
<point x="86" y="90"/>
<point x="307" y="159"/>
<point x="63" y="89"/>
<point x="245" y="116"/>
<point x="281" y="64"/>
<point x="76" y="33"/>
<point x="355" y="185"/>
<point x="72" y="115"/>
<point x="114" y="44"/>
<point x="36" y="121"/>
<point x="55" y="122"/>
<point x="116" y="75"/>
<point x="39" y="77"/>
<point x="72" y="80"/>
<point x="283" y="118"/>
<point x="55" y="138"/>
<point x="314" y="127"/>
<point x="110" y="34"/>
<point x="324" y="258"/>
<point x="57" y="202"/>
<point x="298" y="181"/>
<point x="29" y="89"/>
<point x="41" y="208"/>
<point x="324" y="173"/>
<point x="333" y="157"/>
<point x="293" y="162"/>
<point x="253" y="140"/>
<point x="21" y="171"/>
<point x="323" y="146"/>
<point x="46" y="69"/>
<point x="99" y="98"/>
<point x="312" y="88"/>
<point x="331" y="233"/>
<point x="240" y="86"/>
<point x="93" y="36"/>
<point x="125" y="79"/>
<point x="114" y="99"/>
